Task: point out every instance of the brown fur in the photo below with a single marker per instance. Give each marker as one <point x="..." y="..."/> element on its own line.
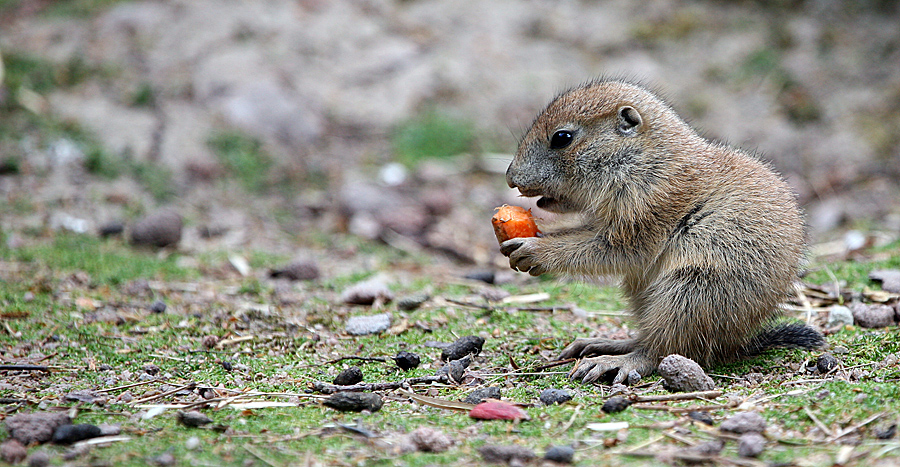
<point x="707" y="238"/>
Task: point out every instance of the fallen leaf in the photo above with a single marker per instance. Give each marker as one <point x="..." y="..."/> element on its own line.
<point x="497" y="410"/>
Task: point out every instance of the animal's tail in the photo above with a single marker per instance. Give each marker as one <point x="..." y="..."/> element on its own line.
<point x="784" y="335"/>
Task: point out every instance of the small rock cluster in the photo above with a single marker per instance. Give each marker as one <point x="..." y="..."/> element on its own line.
<point x="28" y="429"/>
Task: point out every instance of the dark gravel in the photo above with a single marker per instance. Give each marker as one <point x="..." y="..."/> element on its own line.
<point x="481" y="394"/>
<point x="193" y="419"/>
<point x="354" y="401"/>
<point x="552" y="396"/>
<point x="463" y="346"/>
<point x="615" y="404"/>
<point x="560" y="454"/>
<point x="349" y="376"/>
<point x="406" y="360"/>
<point x="68" y="434"/>
<point x="35" y="427"/>
<point x="744" y="422"/>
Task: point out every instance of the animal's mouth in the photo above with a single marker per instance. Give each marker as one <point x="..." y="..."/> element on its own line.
<point x="549" y="203"/>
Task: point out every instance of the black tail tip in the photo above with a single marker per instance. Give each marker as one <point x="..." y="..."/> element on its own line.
<point x="787" y="335"/>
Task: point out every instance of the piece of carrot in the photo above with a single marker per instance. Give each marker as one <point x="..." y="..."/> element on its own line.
<point x="513" y="222"/>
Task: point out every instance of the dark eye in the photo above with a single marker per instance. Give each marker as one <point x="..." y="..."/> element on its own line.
<point x="561" y="139"/>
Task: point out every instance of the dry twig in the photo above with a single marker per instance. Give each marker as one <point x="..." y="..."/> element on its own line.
<point x="328" y="388"/>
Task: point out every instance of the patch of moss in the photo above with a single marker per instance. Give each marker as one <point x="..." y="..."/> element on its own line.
<point x="432" y="134"/>
<point x="244" y="158"/>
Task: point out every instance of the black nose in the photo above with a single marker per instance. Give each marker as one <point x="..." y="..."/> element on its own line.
<point x="509" y="180"/>
<point x="510" y="174"/>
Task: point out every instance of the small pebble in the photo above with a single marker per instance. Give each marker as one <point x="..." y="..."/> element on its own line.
<point x="456" y="369"/>
<point x="561" y="454"/>
<point x="839" y="315"/>
<point x="367" y="292"/>
<point x="373" y="324"/>
<point x="349" y="376"/>
<point x="483" y="276"/>
<point x="428" y="439"/>
<point x="85" y="395"/>
<point x="494" y="294"/>
<point x="552" y="396"/>
<point x="411" y="302"/>
<point x="39" y="459"/>
<point x="890" y="279"/>
<point x="683" y="374"/>
<point x="701" y="416"/>
<point x="193" y="419"/>
<point x="107" y="429"/>
<point x="872" y="316"/>
<point x="111" y="229"/>
<point x="160" y="229"/>
<point x="297" y="271"/>
<point x="886" y="432"/>
<point x="709" y="448"/>
<point x="506" y="454"/>
<point x="164" y="460"/>
<point x="68" y="434"/>
<point x="615" y="404"/>
<point x="826" y="362"/>
<point x="36" y="427"/>
<point x="158" y="307"/>
<point x="463" y="346"/>
<point x="751" y="445"/>
<point x="406" y="360"/>
<point x="354" y="401"/>
<point x="12" y="451"/>
<point x="744" y="422"/>
<point x="481" y="394"/>
<point x="192" y="443"/>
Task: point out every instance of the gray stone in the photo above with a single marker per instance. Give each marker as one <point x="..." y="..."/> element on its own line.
<point x="744" y="422"/>
<point x="872" y="316"/>
<point x="361" y="325"/>
<point x="683" y="374"/>
<point x="751" y="445"/>
<point x="839" y="315"/>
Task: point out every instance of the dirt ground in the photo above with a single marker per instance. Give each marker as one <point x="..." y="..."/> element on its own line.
<point x="326" y="86"/>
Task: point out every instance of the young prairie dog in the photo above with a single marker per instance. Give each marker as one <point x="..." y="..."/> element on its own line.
<point x="707" y="238"/>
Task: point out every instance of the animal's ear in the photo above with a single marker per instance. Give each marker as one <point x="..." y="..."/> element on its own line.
<point x="629" y="120"/>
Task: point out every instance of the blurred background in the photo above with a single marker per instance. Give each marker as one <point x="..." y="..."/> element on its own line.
<point x="285" y="124"/>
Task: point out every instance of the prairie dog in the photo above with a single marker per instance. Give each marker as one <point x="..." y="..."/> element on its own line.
<point x="707" y="238"/>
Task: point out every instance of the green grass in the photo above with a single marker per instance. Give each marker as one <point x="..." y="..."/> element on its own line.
<point x="67" y="8"/>
<point x="432" y="134"/>
<point x="244" y="158"/>
<point x="291" y="344"/>
<point x="107" y="262"/>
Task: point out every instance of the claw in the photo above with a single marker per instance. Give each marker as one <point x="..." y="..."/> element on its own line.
<point x="511" y="245"/>
<point x="592" y="369"/>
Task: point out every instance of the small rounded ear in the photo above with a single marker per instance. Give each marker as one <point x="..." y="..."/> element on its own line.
<point x="629" y="119"/>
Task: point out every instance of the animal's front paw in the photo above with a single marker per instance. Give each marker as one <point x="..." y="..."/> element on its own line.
<point x="589" y="370"/>
<point x="522" y="254"/>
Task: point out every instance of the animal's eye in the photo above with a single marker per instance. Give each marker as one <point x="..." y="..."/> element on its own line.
<point x="561" y="139"/>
